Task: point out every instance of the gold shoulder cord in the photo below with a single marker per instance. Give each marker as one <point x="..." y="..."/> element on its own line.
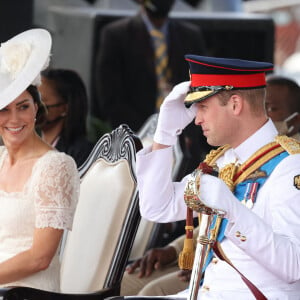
<point x="267" y="152"/>
<point x="228" y="171"/>
<point x="213" y="155"/>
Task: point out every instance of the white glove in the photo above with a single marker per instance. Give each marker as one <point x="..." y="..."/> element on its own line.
<point x="174" y="116"/>
<point x="214" y="193"/>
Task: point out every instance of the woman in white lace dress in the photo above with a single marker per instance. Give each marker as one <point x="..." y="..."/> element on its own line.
<point x="39" y="186"/>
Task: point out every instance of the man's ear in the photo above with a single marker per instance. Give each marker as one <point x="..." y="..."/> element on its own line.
<point x="236" y="103"/>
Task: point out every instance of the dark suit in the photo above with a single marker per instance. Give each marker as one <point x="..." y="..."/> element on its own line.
<point x="125" y="72"/>
<point x="79" y="149"/>
<point x="126" y="80"/>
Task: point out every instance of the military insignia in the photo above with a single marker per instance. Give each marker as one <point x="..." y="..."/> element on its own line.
<point x="257" y="174"/>
<point x="297" y="182"/>
<point x="289" y="144"/>
<point x="250" y="194"/>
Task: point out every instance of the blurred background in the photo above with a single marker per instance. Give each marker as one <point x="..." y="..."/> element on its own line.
<point x="266" y="30"/>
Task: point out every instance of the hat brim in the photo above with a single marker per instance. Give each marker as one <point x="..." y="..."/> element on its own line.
<point x="197" y="96"/>
<point x="40" y="40"/>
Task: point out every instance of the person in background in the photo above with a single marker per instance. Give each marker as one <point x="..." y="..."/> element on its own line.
<point x="65" y="124"/>
<point x="256" y="185"/>
<point x="157" y="272"/>
<point x="128" y="88"/>
<point x="39" y="186"/>
<point x="138" y="61"/>
<point x="283" y="104"/>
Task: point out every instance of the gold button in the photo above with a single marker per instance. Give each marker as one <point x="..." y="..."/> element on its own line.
<point x="205" y="288"/>
<point x="237" y="234"/>
<point x="243" y="238"/>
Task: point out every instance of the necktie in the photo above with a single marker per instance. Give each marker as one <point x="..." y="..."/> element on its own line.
<point x="161" y="65"/>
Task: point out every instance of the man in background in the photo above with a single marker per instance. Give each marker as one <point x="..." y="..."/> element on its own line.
<point x="127" y="87"/>
<point x="283" y="104"/>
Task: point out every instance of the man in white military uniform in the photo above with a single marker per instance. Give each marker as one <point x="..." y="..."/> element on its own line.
<point x="262" y="238"/>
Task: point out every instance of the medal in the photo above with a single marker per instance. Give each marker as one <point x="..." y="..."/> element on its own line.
<point x="246" y="194"/>
<point x="250" y="194"/>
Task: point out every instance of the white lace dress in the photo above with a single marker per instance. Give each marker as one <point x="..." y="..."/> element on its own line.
<point x="48" y="199"/>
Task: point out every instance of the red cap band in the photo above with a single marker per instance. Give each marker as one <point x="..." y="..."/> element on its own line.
<point x="237" y="80"/>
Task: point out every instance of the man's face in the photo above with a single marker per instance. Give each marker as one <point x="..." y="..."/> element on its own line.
<point x="216" y="120"/>
<point x="277" y="102"/>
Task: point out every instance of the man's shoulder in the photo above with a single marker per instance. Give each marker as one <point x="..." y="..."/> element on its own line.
<point x="291" y="163"/>
<point x="291" y="145"/>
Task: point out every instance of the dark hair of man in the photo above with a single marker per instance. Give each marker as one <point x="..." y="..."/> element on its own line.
<point x="71" y="89"/>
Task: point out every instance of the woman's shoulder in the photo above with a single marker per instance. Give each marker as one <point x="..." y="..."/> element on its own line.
<point x="57" y="159"/>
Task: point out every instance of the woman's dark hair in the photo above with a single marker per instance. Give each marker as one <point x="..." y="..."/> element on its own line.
<point x="34" y="92"/>
<point x="71" y="90"/>
<point x="42" y="110"/>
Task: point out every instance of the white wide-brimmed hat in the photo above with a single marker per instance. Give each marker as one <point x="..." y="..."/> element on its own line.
<point x="22" y="58"/>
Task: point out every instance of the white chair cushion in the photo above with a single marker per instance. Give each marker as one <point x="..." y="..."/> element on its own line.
<point x="105" y="193"/>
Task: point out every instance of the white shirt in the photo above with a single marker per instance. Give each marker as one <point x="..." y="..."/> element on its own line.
<point x="270" y="255"/>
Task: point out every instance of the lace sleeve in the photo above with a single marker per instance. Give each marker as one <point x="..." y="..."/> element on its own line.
<point x="56" y="190"/>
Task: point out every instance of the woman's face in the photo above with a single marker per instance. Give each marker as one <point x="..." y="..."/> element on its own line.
<point x="17" y="120"/>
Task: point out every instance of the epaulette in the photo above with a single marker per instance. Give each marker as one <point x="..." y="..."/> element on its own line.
<point x="291" y="145"/>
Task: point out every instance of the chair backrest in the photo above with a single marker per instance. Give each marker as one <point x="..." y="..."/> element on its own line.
<point x="106" y="218"/>
<point x="149" y="232"/>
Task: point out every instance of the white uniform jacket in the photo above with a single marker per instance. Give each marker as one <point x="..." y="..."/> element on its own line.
<point x="263" y="243"/>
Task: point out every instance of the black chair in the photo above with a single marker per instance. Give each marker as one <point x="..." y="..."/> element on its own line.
<point x="94" y="254"/>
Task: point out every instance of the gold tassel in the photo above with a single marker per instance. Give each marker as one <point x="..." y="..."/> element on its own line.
<point x="186" y="256"/>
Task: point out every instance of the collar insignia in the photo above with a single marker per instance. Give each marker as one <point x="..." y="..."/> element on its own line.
<point x="297" y="182"/>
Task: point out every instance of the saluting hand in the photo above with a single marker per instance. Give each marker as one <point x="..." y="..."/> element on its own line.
<point x="173" y="115"/>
